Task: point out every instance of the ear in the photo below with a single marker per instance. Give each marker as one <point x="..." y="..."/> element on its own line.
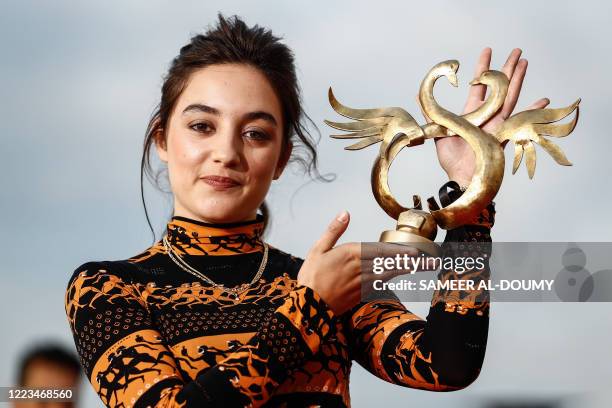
<point x="283" y="160"/>
<point x="160" y="145"/>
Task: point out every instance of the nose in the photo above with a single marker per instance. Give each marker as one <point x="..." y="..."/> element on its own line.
<point x="226" y="148"/>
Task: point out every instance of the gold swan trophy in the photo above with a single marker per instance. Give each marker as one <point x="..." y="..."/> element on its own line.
<point x="397" y="129"/>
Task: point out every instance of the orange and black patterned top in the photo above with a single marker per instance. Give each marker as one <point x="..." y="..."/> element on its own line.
<point x="150" y="334"/>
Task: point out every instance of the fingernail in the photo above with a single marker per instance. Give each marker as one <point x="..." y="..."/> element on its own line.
<point x="343" y="216"/>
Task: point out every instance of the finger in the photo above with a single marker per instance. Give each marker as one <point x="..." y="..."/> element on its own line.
<point x="511" y="62"/>
<point x="471" y="107"/>
<point x="514" y="89"/>
<point x="369" y="278"/>
<point x="539" y="104"/>
<point x="477" y="92"/>
<point x="333" y="232"/>
<point x="371" y="251"/>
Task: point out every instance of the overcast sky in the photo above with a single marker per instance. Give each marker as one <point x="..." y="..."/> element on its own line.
<point x="80" y="81"/>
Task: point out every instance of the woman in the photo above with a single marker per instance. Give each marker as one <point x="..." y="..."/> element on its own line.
<point x="211" y="315"/>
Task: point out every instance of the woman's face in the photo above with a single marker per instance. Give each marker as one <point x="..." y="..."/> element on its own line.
<point x="226" y="124"/>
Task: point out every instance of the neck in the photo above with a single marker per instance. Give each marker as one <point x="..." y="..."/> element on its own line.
<point x="497" y="96"/>
<point x="196" y="237"/>
<point x="184" y="214"/>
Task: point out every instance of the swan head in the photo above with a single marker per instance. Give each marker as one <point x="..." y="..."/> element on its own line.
<point x="489" y="78"/>
<point x="448" y="69"/>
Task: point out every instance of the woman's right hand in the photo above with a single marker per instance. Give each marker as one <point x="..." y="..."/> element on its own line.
<point x="334" y="273"/>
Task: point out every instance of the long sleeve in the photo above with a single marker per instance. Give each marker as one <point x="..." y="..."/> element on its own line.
<point x="445" y="351"/>
<point x="129" y="365"/>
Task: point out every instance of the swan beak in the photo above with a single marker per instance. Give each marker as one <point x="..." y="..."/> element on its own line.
<point x="475" y="82"/>
<point x="452" y="78"/>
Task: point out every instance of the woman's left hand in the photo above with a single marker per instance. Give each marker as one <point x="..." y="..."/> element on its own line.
<point x="454" y="154"/>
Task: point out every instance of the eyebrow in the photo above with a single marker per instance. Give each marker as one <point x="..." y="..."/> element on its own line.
<point x="262" y="115"/>
<point x="199" y="107"/>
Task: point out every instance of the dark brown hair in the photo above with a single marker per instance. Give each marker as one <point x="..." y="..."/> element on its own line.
<point x="48" y="352"/>
<point x="232" y="41"/>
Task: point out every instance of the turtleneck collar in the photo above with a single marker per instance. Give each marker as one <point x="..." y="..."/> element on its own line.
<point x="194" y="237"/>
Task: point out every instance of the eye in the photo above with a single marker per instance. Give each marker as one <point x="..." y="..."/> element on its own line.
<point x="202" y="127"/>
<point x="256" y="135"/>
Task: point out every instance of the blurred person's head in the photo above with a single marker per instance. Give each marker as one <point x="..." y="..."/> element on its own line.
<point x="48" y="366"/>
<point x="229" y="115"/>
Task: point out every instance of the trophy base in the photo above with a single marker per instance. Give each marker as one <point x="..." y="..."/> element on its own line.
<point x="414" y="240"/>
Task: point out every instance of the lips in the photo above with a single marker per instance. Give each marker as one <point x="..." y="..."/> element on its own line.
<point x="220" y="181"/>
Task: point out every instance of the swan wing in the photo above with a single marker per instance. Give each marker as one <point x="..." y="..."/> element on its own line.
<point x="372" y="125"/>
<point x="531" y="126"/>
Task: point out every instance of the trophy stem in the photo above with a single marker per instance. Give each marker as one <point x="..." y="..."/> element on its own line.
<point x="416" y="228"/>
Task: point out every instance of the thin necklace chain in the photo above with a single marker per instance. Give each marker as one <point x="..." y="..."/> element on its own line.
<point x="235" y="291"/>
